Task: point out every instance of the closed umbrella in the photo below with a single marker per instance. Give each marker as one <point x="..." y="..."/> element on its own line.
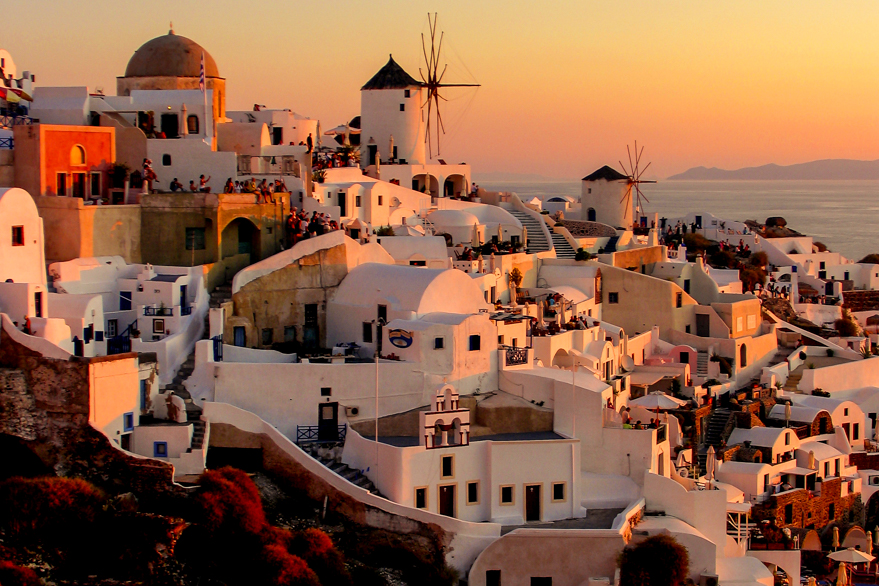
<point x="391" y="148"/>
<point x="787" y="414"/>
<point x="841" y="579"/>
<point x="835" y="542"/>
<point x="811" y="460"/>
<point x="474" y="240"/>
<point x="869" y="546"/>
<point x="710" y="464"/>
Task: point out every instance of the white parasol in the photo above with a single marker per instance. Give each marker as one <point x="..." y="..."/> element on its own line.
<point x="474" y="239"/>
<point x="787" y="414"/>
<point x="841" y="579"/>
<point x="344" y="130"/>
<point x="657" y="400"/>
<point x="851" y="556"/>
<point x="835" y="543"/>
<point x="869" y="545"/>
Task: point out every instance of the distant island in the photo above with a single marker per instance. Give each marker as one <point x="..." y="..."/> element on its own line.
<point x="827" y="169"/>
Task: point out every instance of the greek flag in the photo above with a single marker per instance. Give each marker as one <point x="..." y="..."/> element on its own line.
<point x="201" y="84"/>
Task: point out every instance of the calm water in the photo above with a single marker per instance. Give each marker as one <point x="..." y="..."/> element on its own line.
<point x="843" y="215"/>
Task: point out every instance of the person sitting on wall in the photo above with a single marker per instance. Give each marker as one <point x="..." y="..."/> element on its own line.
<point x="229" y="187"/>
<point x="193" y="187"/>
<point x="638" y="425"/>
<point x="176" y="185"/>
<point x="203" y="184"/>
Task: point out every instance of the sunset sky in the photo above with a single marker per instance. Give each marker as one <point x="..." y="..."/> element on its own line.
<point x="565" y="84"/>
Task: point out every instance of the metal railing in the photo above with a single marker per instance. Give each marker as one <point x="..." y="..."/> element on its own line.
<point x="7" y="142"/>
<point x="516" y="356"/>
<point x="158" y="311"/>
<point x="7" y="120"/>
<point x="310" y="433"/>
<point x="186" y="310"/>
<point x="121" y="343"/>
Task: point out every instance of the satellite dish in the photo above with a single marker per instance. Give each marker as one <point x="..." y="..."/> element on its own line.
<point x="628" y="363"/>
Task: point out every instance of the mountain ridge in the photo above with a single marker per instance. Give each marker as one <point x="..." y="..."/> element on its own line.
<point x="823" y="169"/>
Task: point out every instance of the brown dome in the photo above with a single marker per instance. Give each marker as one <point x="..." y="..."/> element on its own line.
<point x="170" y="56"/>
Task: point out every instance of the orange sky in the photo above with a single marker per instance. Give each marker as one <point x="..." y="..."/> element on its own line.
<point x="565" y="85"/>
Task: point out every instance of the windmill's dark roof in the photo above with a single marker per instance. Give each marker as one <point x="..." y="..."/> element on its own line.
<point x="390" y="77"/>
<point x="606" y="173"/>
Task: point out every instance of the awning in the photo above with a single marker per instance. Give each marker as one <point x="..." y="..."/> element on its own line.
<point x="645" y="378"/>
<point x="740" y="508"/>
<point x="800" y="471"/>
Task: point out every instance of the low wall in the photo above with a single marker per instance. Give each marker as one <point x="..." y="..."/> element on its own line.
<point x="850" y="375"/>
<point x="461" y="541"/>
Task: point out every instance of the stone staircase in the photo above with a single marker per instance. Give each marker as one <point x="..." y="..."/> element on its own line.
<point x="220" y="295"/>
<point x="562" y="248"/>
<point x="702" y="364"/>
<point x="714" y="434"/>
<point x="611" y="245"/>
<point x="198" y="433"/>
<point x="790" y="385"/>
<point x="327" y="456"/>
<point x="536" y="238"/>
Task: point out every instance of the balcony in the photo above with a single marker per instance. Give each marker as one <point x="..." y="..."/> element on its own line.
<point x="516" y="356"/>
<point x="159" y="311"/>
<point x="186" y="310"/>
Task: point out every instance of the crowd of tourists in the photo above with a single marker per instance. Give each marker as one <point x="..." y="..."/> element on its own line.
<point x="300" y="226"/>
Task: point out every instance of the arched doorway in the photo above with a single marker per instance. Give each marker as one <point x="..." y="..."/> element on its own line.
<point x="241" y="236"/>
<point x="426" y="183"/>
<point x="743" y="356"/>
<point x="454" y="185"/>
<point x="590" y="214"/>
<point x="561" y="359"/>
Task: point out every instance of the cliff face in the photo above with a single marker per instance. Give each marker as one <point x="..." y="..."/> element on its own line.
<point x="44" y="408"/>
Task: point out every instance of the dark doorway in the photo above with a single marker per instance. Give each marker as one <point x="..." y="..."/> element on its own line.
<point x="182" y="295"/>
<point x="590" y="215"/>
<point x="277" y="135"/>
<point x="38" y="304"/>
<point x="239" y="336"/>
<point x="447" y="500"/>
<point x="532" y="502"/>
<point x="328" y="422"/>
<point x="77" y="346"/>
<point x="343" y="200"/>
<point x="703" y="329"/>
<point x="125" y="301"/>
<point x="170" y="125"/>
<point x="125" y="442"/>
<point x="372" y="153"/>
<point x="78" y="185"/>
<point x="310" y="330"/>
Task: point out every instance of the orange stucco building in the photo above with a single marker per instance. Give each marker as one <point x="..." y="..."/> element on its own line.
<point x="64" y="160"/>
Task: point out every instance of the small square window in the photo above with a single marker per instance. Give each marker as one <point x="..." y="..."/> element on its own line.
<point x="95" y="184"/>
<point x="500" y="339"/>
<point x="679" y="300"/>
<point x="18" y="236"/>
<point x="407" y="93"/>
<point x="507" y="496"/>
<point x="160" y="449"/>
<point x="357" y="201"/>
<point x="613" y="297"/>
<point x="367" y="332"/>
<point x="402" y="107"/>
<point x="381" y="200"/>
<point x="448" y="467"/>
<point x="438" y="343"/>
<point x="475" y="342"/>
<point x="326" y="391"/>
<point x="268" y="335"/>
<point x="289" y="333"/>
<point x="558" y="492"/>
<point x="687" y="328"/>
<point x="383" y="313"/>
<point x="541" y="581"/>
<point x="845" y="411"/>
<point x="421" y="497"/>
<point x="473" y="492"/>
<point x="166" y="160"/>
<point x="128" y="422"/>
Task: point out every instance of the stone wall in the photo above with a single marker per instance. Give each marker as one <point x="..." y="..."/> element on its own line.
<point x="44" y="404"/>
<point x="808" y="511"/>
<point x="426" y="539"/>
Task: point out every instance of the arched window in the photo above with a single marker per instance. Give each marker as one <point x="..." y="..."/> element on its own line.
<point x="77" y="155"/>
<point x="192" y="124"/>
<point x="166" y="160"/>
<point x="743" y="356"/>
<point x="590" y="214"/>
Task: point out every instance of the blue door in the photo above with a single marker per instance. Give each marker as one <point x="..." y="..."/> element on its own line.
<point x="240" y="336"/>
<point x="124" y="300"/>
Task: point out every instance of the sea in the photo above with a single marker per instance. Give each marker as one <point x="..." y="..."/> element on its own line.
<point x="844" y="215"/>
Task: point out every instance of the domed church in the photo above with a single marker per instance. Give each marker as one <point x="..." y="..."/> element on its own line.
<point x="173" y="62"/>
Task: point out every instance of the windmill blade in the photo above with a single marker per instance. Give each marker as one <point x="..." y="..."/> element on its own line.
<point x="631" y="165"/>
<point x="440" y="78"/>
<point x="623" y="167"/>
<point x="628" y="193"/>
<point x="641" y="195"/>
<point x="643" y="170"/>
<point x="439" y="118"/>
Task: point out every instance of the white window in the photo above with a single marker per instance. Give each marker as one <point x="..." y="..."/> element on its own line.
<point x="739" y="324"/>
<point x="752" y="322"/>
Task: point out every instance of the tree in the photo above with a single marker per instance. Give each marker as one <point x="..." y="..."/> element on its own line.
<point x="846" y="326"/>
<point x="657" y="561"/>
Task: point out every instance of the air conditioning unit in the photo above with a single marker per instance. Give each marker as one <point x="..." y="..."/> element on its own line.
<point x="709" y="580"/>
<point x="352" y="411"/>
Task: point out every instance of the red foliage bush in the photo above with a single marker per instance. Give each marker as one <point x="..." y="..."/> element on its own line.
<point x="46" y="506"/>
<point x="12" y="575"/>
<point x="285" y="569"/>
<point x="317" y="549"/>
<point x="230" y="504"/>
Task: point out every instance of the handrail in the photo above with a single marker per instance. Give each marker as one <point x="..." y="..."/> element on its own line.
<point x="311" y="433"/>
<point x="159" y="311"/>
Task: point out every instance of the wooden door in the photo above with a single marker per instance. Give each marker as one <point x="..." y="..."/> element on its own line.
<point x="703" y="329"/>
<point x="532" y="502"/>
<point x="447" y="500"/>
<point x="328" y="422"/>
